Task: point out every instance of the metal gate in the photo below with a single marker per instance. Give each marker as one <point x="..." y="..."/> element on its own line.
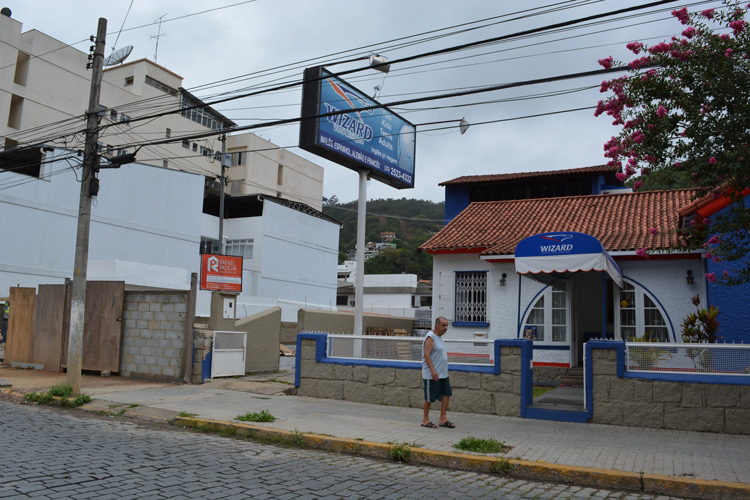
<point x="228" y="355"/>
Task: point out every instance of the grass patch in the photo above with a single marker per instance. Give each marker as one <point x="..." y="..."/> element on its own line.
<point x="502" y="467"/>
<point x="256" y="416"/>
<point x="185" y="414"/>
<point x="482" y="445"/>
<point x="61" y="390"/>
<point x="297" y="439"/>
<point x="401" y="452"/>
<point x="134" y="405"/>
<point x="59" y="394"/>
<point x="538" y="390"/>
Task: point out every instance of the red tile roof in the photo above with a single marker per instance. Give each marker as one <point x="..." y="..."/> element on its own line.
<point x="621" y="222"/>
<point x="486" y="179"/>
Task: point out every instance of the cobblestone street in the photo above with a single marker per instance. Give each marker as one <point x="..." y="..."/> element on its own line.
<point x="51" y="453"/>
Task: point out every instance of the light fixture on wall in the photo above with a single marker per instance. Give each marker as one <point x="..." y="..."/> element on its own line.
<point x="503" y="279"/>
<point x="689" y="278"/>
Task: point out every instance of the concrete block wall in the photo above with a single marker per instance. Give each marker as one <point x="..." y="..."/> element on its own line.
<point x="262" y="331"/>
<point x="665" y="404"/>
<point x="487" y="393"/>
<point x="153" y="335"/>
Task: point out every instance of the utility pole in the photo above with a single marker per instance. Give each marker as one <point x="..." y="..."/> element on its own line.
<point x="222" y="181"/>
<point x="90" y="162"/>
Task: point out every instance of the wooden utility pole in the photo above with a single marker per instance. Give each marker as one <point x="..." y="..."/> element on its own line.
<point x="90" y="162"/>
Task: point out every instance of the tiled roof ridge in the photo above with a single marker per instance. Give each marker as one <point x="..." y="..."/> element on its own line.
<point x="467" y="179"/>
<point x="581" y="196"/>
<point x="490" y="226"/>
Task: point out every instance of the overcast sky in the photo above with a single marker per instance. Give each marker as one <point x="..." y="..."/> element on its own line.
<point x="249" y="38"/>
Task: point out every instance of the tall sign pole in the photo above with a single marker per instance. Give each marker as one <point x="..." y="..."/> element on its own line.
<point x="90" y="161"/>
<point x="222" y="242"/>
<point x="359" y="279"/>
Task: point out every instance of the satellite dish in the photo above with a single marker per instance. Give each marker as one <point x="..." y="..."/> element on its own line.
<point x="118" y="56"/>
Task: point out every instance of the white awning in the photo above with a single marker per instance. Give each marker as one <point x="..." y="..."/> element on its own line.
<point x="547" y="257"/>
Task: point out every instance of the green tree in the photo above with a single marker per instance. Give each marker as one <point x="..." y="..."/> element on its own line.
<point x="684" y="113"/>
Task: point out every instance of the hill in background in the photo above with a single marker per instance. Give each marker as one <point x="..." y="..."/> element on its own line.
<point x="413" y="221"/>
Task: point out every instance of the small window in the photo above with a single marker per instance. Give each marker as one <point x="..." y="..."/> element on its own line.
<point x="280" y="175"/>
<point x="168" y="133"/>
<point x="113" y="115"/>
<point x="109" y="150"/>
<point x="471" y="297"/>
<point x="99" y="146"/>
<point x="165" y="163"/>
<point x="128" y="80"/>
<point x="102" y="111"/>
<point x="186" y="144"/>
<point x="124" y="118"/>
<point x="195" y="147"/>
<point x="240" y="248"/>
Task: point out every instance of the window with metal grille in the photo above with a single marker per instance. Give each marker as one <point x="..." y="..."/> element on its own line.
<point x="471" y="297"/>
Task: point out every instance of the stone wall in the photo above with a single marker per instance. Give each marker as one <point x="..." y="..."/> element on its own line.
<point x="153" y="336"/>
<point x="664" y="404"/>
<point x="401" y="385"/>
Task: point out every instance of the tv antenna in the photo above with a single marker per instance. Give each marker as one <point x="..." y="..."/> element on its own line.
<point x="157" y="36"/>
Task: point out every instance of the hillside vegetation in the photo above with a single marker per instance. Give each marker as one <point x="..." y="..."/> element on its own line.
<point x="413" y="221"/>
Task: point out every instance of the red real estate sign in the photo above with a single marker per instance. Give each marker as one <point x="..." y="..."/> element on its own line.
<point x="221" y="272"/>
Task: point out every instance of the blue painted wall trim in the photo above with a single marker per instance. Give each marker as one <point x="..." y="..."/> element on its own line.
<point x="321" y="340"/>
<point x="543" y="347"/>
<point x="470" y="323"/>
<point x="580" y="417"/>
<point x="456" y="199"/>
<point x="526" y="346"/>
<point x="206" y="366"/>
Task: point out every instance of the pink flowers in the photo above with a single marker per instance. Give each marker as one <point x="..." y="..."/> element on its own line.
<point x="637" y="185"/>
<point x="637" y="136"/>
<point x="661" y="111"/>
<point x="677" y="165"/>
<point x="606" y="63"/>
<point x="620" y="176"/>
<point x="728" y="53"/>
<point x="638" y="63"/>
<point x="711" y="277"/>
<point x="714" y="240"/>
<point x="738" y="26"/>
<point x="689" y="33"/>
<point x="708" y="14"/>
<point x="635" y="47"/>
<point x="682" y="15"/>
<point x="641" y="252"/>
<point x="712" y="160"/>
<point x="654" y="231"/>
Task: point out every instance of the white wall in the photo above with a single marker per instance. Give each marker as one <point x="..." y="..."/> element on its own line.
<point x="300" y="257"/>
<point x="133" y="219"/>
<point x="443" y="290"/>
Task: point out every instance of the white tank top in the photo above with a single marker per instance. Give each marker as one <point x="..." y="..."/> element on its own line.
<point x="438" y="356"/>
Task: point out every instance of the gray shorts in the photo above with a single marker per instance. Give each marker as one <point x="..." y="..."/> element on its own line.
<point x="435" y="390"/>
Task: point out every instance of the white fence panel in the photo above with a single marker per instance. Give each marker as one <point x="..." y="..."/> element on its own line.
<point x="228" y="355"/>
<point x="709" y="359"/>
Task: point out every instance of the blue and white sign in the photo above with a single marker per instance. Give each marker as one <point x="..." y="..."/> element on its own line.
<point x="564" y="253"/>
<point x="368" y="136"/>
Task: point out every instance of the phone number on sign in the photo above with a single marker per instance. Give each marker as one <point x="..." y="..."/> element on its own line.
<point x="397" y="174"/>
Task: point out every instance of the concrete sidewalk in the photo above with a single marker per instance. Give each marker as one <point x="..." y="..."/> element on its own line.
<point x="664" y="462"/>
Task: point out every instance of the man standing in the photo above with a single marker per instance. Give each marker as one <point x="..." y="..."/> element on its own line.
<point x="437" y="386"/>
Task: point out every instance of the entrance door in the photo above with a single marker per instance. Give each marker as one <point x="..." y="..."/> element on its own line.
<point x="587" y="300"/>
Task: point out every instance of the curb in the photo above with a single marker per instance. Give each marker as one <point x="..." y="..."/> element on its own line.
<point x="522" y="469"/>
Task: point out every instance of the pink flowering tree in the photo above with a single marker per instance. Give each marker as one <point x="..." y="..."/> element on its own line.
<point x="684" y="109"/>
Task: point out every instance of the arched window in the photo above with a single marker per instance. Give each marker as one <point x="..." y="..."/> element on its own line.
<point x="548" y="318"/>
<point x="639" y="315"/>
